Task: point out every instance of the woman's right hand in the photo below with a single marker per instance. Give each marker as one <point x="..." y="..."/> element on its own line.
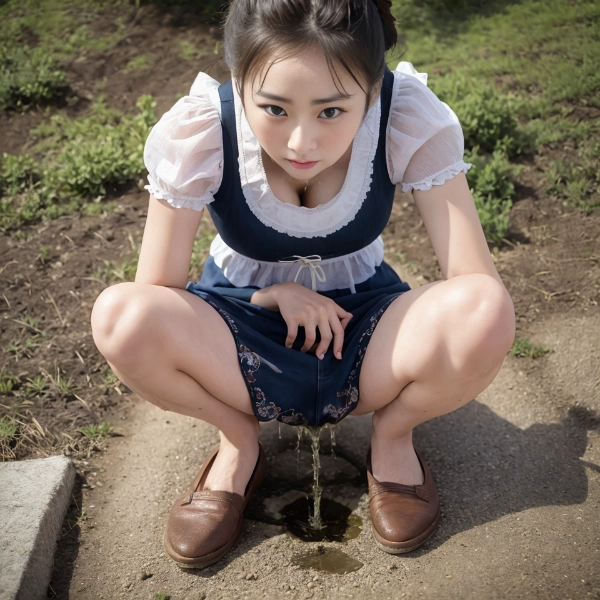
<point x="300" y="306"/>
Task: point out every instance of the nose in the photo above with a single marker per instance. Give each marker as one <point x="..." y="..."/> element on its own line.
<point x="302" y="140"/>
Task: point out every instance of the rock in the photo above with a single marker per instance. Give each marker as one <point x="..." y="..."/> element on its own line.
<point x="143" y="575"/>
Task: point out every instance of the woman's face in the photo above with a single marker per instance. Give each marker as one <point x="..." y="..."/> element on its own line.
<point x="299" y="115"/>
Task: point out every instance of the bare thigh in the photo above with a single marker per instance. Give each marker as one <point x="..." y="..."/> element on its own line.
<point x="454" y="333"/>
<point x="147" y="331"/>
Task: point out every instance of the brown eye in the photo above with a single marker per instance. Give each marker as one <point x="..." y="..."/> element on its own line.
<point x="330" y="113"/>
<point x="275" y="111"/>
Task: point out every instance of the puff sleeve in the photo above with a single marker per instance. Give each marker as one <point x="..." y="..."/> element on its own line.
<point x="425" y="142"/>
<point x="184" y="150"/>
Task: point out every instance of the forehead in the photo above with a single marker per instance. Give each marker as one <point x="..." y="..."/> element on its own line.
<point x="306" y="73"/>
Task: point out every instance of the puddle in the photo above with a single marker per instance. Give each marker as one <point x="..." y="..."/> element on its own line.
<point x="323" y="514"/>
<point x="329" y="560"/>
<point x="338" y="524"/>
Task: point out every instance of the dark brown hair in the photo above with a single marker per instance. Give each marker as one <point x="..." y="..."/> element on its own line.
<point x="352" y="33"/>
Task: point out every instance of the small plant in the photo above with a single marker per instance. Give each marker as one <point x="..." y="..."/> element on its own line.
<point x="16" y="173"/>
<point x="139" y="63"/>
<point x="162" y="596"/>
<point x="522" y="347"/>
<point x="28" y="77"/>
<point x="23" y="347"/>
<point x="577" y="179"/>
<point x="8" y="428"/>
<point x="32" y="322"/>
<point x="37" y="385"/>
<point x="8" y="382"/>
<point x="44" y="254"/>
<point x="491" y="180"/>
<point x="96" y="432"/>
<point x="65" y="388"/>
<point x="110" y="378"/>
<point x="487" y="117"/>
<point x="80" y="159"/>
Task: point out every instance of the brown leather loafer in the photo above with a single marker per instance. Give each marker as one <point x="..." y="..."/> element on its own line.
<point x="403" y="517"/>
<point x="205" y="524"/>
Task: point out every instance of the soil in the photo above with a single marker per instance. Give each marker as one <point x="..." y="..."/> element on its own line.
<point x="512" y="507"/>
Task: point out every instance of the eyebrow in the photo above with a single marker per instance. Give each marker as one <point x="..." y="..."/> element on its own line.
<point x="313" y="102"/>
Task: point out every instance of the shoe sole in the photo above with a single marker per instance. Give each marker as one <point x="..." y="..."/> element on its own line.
<point x="200" y="562"/>
<point x="409" y="545"/>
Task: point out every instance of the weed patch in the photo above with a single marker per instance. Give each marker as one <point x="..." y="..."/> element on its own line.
<point x="96" y="432"/>
<point x="487" y="117"/>
<point x="28" y="77"/>
<point x="491" y="180"/>
<point x="79" y="161"/>
<point x="577" y="178"/>
<point x="522" y="347"/>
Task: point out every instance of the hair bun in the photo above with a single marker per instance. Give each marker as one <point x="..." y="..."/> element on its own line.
<point x="384" y="8"/>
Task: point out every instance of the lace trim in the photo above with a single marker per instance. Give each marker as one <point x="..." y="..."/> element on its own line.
<point x="285" y="217"/>
<point x="180" y="201"/>
<point x="438" y="178"/>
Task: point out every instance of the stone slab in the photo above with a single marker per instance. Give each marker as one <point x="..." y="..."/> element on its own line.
<point x="34" y="497"/>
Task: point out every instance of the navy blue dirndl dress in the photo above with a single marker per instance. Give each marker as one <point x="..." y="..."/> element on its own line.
<point x="285" y="384"/>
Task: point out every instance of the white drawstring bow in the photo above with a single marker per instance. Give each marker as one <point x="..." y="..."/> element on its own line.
<point x="316" y="271"/>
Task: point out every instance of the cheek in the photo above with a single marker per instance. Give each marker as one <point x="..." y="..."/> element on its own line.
<point x="268" y="136"/>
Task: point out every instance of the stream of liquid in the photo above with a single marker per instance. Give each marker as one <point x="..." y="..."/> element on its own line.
<point x="316" y="518"/>
<point x="315" y="441"/>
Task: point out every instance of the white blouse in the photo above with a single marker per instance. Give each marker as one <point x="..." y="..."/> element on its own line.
<point x="184" y="158"/>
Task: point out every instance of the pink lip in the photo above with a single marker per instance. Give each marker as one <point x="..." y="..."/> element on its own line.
<point x="303" y="165"/>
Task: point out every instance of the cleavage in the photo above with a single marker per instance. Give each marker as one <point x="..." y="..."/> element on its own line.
<point x="321" y="189"/>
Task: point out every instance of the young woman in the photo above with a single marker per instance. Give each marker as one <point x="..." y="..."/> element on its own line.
<point x="297" y="317"/>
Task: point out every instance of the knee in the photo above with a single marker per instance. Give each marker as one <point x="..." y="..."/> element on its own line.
<point x="120" y="317"/>
<point x="483" y="324"/>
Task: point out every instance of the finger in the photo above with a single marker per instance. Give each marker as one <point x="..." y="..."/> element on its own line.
<point x="326" y="337"/>
<point x="343" y="315"/>
<point x="345" y="321"/>
<point x="292" y="334"/>
<point x="311" y="336"/>
<point x="338" y="338"/>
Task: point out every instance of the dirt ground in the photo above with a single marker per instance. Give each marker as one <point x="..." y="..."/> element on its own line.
<point x="517" y="468"/>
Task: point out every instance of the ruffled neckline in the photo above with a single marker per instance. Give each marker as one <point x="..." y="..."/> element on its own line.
<point x="301" y="221"/>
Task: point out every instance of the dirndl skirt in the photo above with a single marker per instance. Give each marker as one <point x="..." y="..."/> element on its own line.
<point x="294" y="387"/>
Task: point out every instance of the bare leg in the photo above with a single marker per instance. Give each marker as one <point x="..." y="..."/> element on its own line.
<point x="435" y="348"/>
<point x="173" y="349"/>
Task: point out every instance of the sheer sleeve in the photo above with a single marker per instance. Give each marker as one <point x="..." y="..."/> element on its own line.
<point x="184" y="151"/>
<point x="425" y="143"/>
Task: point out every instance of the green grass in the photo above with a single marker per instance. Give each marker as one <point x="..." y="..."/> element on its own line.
<point x="139" y="63"/>
<point x="74" y="163"/>
<point x="514" y="73"/>
<point x="8" y="382"/>
<point x="37" y="385"/>
<point x="96" y="432"/>
<point x="28" y="77"/>
<point x="522" y="347"/>
<point x="8" y="428"/>
<point x="61" y="28"/>
<point x="546" y="49"/>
